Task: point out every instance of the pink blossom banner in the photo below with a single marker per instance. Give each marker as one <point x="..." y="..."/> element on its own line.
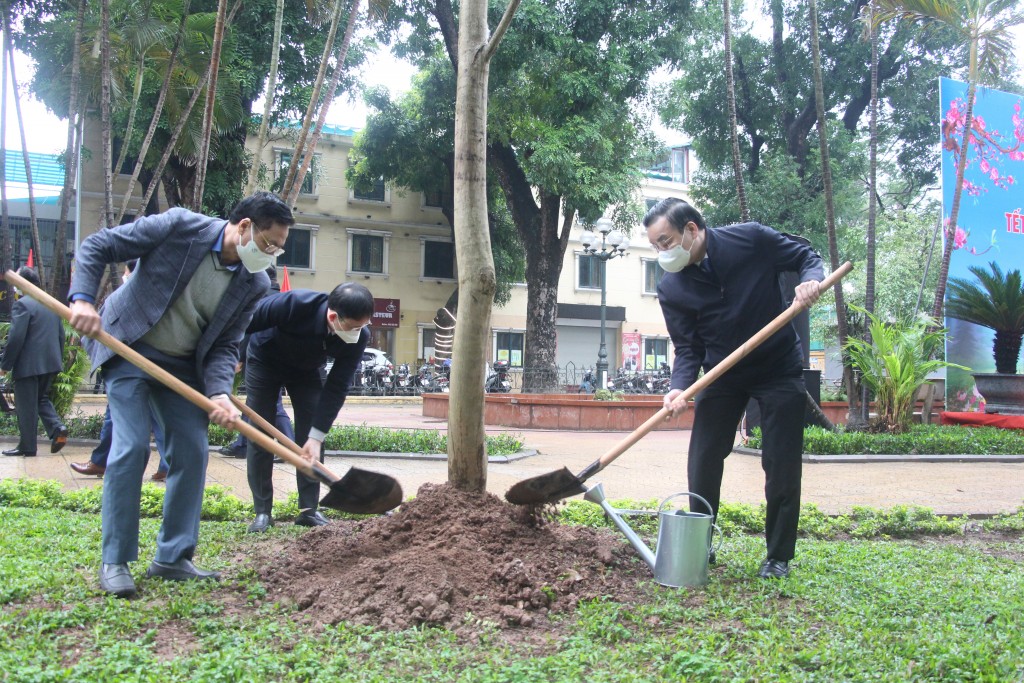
<point x="990" y="221"/>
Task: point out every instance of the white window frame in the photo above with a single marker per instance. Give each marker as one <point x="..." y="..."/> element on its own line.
<point x="315" y="170"/>
<point x="580" y="255"/>
<point x="643" y="277"/>
<point x="495" y="331"/>
<point x="385" y="268"/>
<point x="352" y="199"/>
<point x="423" y="260"/>
<point x="314" y="231"/>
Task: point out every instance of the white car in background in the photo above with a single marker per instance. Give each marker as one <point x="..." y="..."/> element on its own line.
<point x="371" y="358"/>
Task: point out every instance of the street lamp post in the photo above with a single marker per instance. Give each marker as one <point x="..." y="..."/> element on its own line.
<point x="613" y="244"/>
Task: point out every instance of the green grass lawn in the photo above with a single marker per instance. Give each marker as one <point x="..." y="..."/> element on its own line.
<point x="927" y="608"/>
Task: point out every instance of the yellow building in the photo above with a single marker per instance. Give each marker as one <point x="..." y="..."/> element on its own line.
<point x="399" y="244"/>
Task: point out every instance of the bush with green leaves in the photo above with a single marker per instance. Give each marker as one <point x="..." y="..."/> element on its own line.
<point x="917" y="440"/>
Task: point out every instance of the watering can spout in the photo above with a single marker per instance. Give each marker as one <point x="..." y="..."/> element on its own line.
<point x="595" y="494"/>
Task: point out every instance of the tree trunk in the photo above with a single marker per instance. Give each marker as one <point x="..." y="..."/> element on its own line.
<point x="310" y="148"/>
<point x="830" y="211"/>
<point x="268" y="104"/>
<point x="737" y="166"/>
<point x="33" y="223"/>
<point x="157" y="112"/>
<point x="211" y="97"/>
<point x="5" y="219"/>
<point x="869" y="293"/>
<point x="71" y="156"/>
<point x="289" y="189"/>
<point x="467" y="451"/>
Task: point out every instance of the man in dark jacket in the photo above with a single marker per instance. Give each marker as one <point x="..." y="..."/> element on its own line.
<point x="291" y="336"/>
<point x="720" y="288"/>
<point x="34" y="355"/>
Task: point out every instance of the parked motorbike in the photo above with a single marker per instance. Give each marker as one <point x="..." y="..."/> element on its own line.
<point x="497" y="381"/>
<point x="404" y="382"/>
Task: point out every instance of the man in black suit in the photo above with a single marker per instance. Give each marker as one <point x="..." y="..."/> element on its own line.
<point x="34" y="355"/>
<point x="291" y="335"/>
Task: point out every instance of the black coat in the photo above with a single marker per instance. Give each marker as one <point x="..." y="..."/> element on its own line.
<point x="35" y="342"/>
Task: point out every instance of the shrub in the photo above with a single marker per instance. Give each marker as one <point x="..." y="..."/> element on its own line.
<point x="918" y="440"/>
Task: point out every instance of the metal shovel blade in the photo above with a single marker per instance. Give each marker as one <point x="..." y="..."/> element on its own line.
<point x="363" y="492"/>
<point x="545" y="488"/>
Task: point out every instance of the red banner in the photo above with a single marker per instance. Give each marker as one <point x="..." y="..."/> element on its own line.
<point x="386" y="313"/>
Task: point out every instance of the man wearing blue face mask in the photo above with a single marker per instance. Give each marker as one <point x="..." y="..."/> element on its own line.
<point x="720" y="288"/>
<point x="292" y="335"/>
<point x="185" y="308"/>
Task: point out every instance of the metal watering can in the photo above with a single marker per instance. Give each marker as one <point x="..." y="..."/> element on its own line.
<point x="684" y="540"/>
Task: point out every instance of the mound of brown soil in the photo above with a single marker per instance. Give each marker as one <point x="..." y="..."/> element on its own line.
<point x="451" y="559"/>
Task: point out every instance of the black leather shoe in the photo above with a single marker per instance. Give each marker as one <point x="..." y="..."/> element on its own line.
<point x="18" y="451"/>
<point x="712" y="559"/>
<point x="261" y="524"/>
<point x="229" y="452"/>
<point x="117" y="580"/>
<point x="182" y="570"/>
<point x="311" y="519"/>
<point x="773" y="569"/>
<point x="59" y="440"/>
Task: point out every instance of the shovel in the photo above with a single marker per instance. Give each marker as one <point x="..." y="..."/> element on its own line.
<point x="359" y="491"/>
<point x="552" y="487"/>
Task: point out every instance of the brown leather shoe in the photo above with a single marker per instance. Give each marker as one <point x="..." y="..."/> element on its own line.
<point x="88" y="468"/>
<point x="158" y="476"/>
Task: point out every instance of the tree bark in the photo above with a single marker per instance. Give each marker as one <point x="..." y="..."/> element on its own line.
<point x="467" y="449"/>
<point x="268" y="104"/>
<point x="737" y="166"/>
<point x="211" y="97"/>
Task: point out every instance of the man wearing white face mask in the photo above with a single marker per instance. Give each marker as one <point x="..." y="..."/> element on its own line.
<point x="185" y="308"/>
<point x="720" y="288"/>
<point x="292" y="335"/>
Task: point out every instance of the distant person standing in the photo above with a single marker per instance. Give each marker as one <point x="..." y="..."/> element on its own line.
<point x="291" y="336"/>
<point x="34" y="355"/>
<point x="185" y="308"/>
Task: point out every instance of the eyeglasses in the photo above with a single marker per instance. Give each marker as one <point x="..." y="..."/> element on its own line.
<point x="269" y="248"/>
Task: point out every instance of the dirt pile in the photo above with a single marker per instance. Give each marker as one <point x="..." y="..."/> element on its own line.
<point x="451" y="559"/>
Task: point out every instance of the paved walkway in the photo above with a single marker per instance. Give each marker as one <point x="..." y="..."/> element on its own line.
<point x="653" y="468"/>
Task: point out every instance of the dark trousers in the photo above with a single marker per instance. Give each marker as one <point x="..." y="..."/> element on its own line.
<point x="32" y="401"/>
<point x="263" y="383"/>
<point x="282" y="421"/>
<point x="716" y="416"/>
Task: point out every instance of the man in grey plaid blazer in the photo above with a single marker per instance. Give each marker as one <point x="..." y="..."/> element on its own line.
<point x="185" y="308"/>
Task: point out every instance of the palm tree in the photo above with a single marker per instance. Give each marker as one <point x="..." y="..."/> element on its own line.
<point x="984" y="27"/>
<point x="211" y="92"/>
<point x="997" y="304"/>
<point x="737" y="167"/>
<point x="268" y="104"/>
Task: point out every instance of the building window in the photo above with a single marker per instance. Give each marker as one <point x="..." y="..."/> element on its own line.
<point x="652" y="275"/>
<point x="508" y="346"/>
<point x="378" y="192"/>
<point x="438" y="259"/>
<point x="655" y="353"/>
<point x="284" y="159"/>
<point x="674" y="165"/>
<point x="589" y="268"/>
<point x="368" y="252"/>
<point x="298" y="248"/>
<point x="433" y="199"/>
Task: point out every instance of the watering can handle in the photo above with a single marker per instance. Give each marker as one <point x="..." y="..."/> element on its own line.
<point x="687" y="493"/>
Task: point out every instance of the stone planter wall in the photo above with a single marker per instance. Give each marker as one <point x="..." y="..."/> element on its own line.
<point x="581" y="412"/>
<point x="563" y="411"/>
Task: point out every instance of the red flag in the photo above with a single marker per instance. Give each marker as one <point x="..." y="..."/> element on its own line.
<point x="30" y="263"/>
<point x="286" y="285"/>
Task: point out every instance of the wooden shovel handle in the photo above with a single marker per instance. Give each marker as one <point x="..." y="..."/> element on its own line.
<point x="316" y="470"/>
<point x="263" y="424"/>
<point x="714" y="373"/>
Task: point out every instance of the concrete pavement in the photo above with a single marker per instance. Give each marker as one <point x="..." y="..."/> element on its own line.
<point x="653" y="468"/>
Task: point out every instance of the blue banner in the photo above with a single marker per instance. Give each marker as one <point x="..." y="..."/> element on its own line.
<point x="990" y="222"/>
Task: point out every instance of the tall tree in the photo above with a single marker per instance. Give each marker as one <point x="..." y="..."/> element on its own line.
<point x="211" y="93"/>
<point x="564" y="139"/>
<point x="984" y="27"/>
<point x="730" y="86"/>
<point x="467" y="452"/>
<point x="268" y="100"/>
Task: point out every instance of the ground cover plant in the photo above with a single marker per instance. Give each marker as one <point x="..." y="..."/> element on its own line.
<point x="943" y="602"/>
<point x="918" y="440"/>
<point x="365" y="438"/>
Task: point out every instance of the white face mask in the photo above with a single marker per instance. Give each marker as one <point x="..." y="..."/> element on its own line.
<point x="348" y="336"/>
<point x="253" y="258"/>
<point x="675" y="259"/>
